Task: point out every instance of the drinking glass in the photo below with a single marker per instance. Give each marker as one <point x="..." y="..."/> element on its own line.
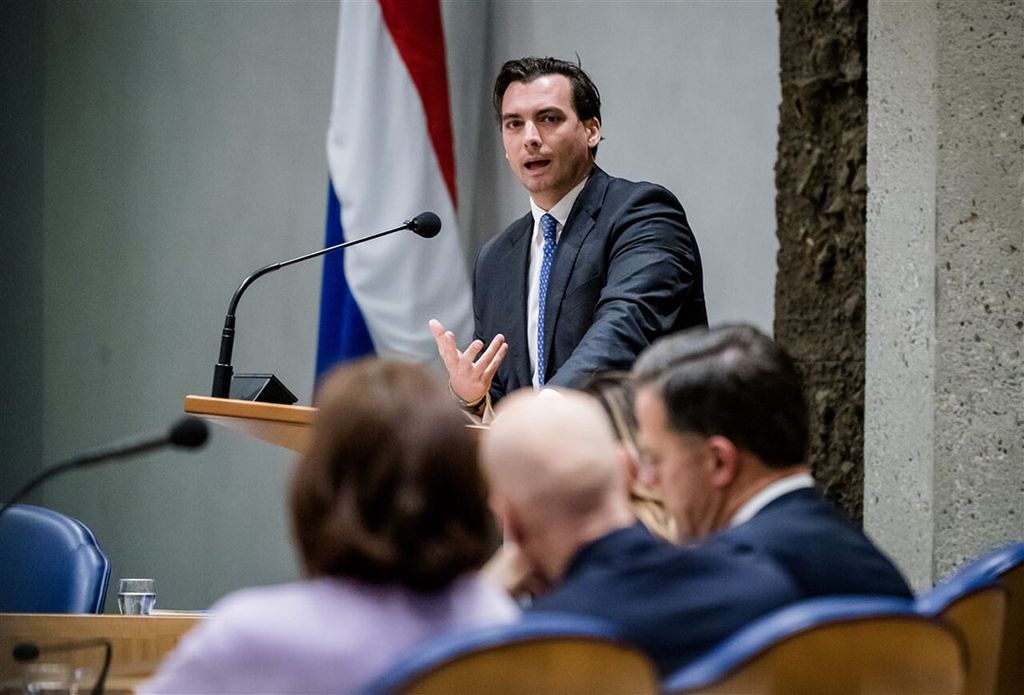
<point x="50" y="679"/>
<point x="136" y="596"/>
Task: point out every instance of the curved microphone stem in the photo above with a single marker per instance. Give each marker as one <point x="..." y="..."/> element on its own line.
<point x="101" y="680"/>
<point x="37" y="481"/>
<point x="223" y="371"/>
<point x="28" y="651"/>
<point x="79" y="462"/>
<point x="188" y="433"/>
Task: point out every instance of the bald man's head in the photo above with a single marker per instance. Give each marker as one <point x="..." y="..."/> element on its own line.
<point x="553" y="459"/>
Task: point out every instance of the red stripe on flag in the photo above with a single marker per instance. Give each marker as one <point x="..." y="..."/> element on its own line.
<point x="415" y="27"/>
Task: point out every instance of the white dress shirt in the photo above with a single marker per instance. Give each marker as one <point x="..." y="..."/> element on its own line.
<point x="780" y="487"/>
<point x="560" y="211"/>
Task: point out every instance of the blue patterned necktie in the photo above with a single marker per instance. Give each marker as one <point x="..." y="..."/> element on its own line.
<point x="547" y="225"/>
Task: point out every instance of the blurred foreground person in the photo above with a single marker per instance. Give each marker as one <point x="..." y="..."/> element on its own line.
<point x="389" y="511"/>
<point x="723" y="425"/>
<point x="558" y="485"/>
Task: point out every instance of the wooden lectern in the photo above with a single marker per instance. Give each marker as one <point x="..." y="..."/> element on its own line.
<point x="289" y="426"/>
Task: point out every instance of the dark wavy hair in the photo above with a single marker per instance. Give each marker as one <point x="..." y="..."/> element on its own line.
<point x="586" y="99"/>
<point x="389" y="491"/>
<point x="732" y="381"/>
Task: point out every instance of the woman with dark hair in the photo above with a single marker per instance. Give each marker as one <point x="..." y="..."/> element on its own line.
<point x="389" y="511"/>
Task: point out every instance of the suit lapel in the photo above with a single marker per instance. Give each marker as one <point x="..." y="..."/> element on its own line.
<point x="581" y="222"/>
<point x="515" y="261"/>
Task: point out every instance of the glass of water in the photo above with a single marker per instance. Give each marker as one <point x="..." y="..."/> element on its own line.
<point x="50" y="679"/>
<point x="136" y="596"/>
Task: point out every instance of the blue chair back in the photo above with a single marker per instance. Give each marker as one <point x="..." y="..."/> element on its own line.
<point x="51" y="563"/>
<point x="549" y="653"/>
<point x="848" y="644"/>
<point x="1005" y="567"/>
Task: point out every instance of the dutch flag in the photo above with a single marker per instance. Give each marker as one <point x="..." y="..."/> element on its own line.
<point x="390" y="156"/>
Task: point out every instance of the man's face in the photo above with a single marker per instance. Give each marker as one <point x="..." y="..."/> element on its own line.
<point x="680" y="469"/>
<point x="546" y="144"/>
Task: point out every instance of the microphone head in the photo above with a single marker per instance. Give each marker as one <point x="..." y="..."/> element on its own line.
<point x="189" y="433"/>
<point x="25" y="651"/>
<point x="426" y="224"/>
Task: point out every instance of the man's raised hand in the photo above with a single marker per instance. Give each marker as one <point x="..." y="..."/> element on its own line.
<point x="470" y="376"/>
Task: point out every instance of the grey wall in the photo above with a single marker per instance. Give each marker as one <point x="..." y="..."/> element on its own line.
<point x="21" y="241"/>
<point x="184" y="147"/>
<point x="177" y="146"/>
<point x="690" y="95"/>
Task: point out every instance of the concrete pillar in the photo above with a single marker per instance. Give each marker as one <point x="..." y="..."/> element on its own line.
<point x="944" y="392"/>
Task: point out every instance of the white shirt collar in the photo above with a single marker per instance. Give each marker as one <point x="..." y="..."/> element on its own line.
<point x="772" y="492"/>
<point x="560" y="210"/>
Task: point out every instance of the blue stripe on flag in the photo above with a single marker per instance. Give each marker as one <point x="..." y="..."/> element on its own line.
<point x="343" y="332"/>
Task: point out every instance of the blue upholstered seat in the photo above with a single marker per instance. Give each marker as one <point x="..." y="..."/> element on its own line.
<point x="51" y="563"/>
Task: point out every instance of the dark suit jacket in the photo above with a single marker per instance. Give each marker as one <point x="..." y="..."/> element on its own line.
<point x="674" y="603"/>
<point x="820" y="549"/>
<point x="626" y="271"/>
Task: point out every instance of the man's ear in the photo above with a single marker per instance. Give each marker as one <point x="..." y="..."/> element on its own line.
<point x="628" y="463"/>
<point x="592" y="126"/>
<point x="499" y="507"/>
<point x="723" y="461"/>
<point x="511" y="525"/>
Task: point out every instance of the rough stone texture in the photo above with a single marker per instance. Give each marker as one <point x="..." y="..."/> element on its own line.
<point x="944" y="435"/>
<point x="821" y="186"/>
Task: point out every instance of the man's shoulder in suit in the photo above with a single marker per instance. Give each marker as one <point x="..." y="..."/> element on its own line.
<point x="673" y="602"/>
<point x="819" y="546"/>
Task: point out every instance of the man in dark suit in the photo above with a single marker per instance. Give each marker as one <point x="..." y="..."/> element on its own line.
<point x="596" y="271"/>
<point x="557" y="484"/>
<point x="723" y="433"/>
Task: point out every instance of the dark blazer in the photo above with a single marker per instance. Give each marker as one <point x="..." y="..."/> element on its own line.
<point x="626" y="271"/>
<point x="819" y="548"/>
<point x="674" y="603"/>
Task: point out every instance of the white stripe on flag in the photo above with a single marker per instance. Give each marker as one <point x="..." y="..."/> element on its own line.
<point x="385" y="171"/>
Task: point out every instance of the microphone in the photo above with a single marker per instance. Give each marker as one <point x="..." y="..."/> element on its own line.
<point x="28" y="651"/>
<point x="187" y="433"/>
<point x="426" y="224"/>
